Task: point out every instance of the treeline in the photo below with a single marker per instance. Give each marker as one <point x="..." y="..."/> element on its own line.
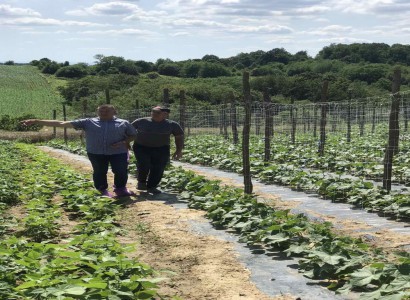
<point x="356" y="70"/>
<point x="275" y="61"/>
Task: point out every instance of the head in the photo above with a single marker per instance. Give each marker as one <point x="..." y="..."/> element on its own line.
<point x="159" y="113"/>
<point x="106" y="112"/>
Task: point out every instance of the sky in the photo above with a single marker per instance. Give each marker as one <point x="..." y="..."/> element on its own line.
<point x="77" y="30"/>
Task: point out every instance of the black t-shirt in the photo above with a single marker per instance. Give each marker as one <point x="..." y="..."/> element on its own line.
<point x="155" y="134"/>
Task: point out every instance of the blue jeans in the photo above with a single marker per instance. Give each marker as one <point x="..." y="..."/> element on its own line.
<point x="151" y="163"/>
<point x="119" y="166"/>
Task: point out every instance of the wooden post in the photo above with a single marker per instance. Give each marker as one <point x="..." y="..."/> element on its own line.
<point x="166" y="97"/>
<point x="234" y="120"/>
<point x="221" y="117"/>
<point x="245" y="134"/>
<point x="374" y="118"/>
<point x="323" y="120"/>
<point x="107" y="96"/>
<point x="315" y="108"/>
<point x="362" y="118"/>
<point x="293" y="121"/>
<point x="65" y="129"/>
<point x="268" y="123"/>
<point x="182" y="105"/>
<point x="349" y="118"/>
<point x="304" y="119"/>
<point x="225" y="120"/>
<point x="54" y="128"/>
<point x="393" y="140"/>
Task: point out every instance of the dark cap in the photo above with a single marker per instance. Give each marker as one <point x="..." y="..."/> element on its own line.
<point x="162" y="108"/>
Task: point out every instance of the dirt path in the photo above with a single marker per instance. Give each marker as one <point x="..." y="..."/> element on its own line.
<point x="203" y="267"/>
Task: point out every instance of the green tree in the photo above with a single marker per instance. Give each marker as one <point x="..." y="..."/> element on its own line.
<point x="212" y="70"/>
<point x="74" y="71"/>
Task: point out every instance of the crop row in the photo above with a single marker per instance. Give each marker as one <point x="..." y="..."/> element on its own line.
<point x="346" y="264"/>
<point x="24" y="91"/>
<point x="38" y="260"/>
<point x="362" y="157"/>
<point x="355" y="191"/>
<point x="335" y="187"/>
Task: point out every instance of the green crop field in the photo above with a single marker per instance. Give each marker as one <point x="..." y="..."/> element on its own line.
<point x="24" y="90"/>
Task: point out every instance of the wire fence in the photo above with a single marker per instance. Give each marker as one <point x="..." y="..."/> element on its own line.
<point x="331" y="130"/>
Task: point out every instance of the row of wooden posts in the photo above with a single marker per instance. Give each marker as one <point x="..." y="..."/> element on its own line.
<point x="271" y="110"/>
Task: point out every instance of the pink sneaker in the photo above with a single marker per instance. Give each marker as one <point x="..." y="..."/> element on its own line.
<point x="106" y="193"/>
<point x="123" y="192"/>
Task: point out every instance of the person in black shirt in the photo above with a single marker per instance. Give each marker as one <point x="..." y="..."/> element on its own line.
<point x="152" y="147"/>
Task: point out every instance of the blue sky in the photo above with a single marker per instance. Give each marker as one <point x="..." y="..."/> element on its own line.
<point x="77" y="30"/>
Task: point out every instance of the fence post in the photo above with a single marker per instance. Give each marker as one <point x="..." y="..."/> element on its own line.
<point x="393" y="140"/>
<point x="315" y="108"/>
<point x="54" y="128"/>
<point x="349" y="118"/>
<point x="107" y="96"/>
<point x="225" y="120"/>
<point x="293" y="121"/>
<point x="182" y="105"/>
<point x="268" y="123"/>
<point x="323" y="120"/>
<point x="362" y="118"/>
<point x="234" y="120"/>
<point x="374" y="118"/>
<point x="65" y="129"/>
<point x="245" y="134"/>
<point x="220" y="119"/>
<point x="304" y="119"/>
<point x="166" y="97"/>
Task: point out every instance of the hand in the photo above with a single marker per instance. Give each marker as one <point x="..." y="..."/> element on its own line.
<point x="177" y="155"/>
<point x="119" y="144"/>
<point x="28" y="122"/>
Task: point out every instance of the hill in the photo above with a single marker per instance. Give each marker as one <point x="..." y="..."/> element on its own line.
<point x="24" y="90"/>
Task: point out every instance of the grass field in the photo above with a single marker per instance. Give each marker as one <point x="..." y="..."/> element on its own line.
<point x="24" y="90"/>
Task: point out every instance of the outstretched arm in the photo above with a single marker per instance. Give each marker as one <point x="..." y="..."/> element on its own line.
<point x="179" y="143"/>
<point x="50" y="123"/>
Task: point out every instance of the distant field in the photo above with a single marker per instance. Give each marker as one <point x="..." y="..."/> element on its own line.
<point x="23" y="90"/>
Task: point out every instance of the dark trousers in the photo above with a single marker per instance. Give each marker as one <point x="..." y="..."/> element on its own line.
<point x="151" y="163"/>
<point x="119" y="167"/>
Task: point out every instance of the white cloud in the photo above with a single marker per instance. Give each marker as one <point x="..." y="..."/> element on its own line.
<point x="332" y="30"/>
<point x="312" y="9"/>
<point x="28" y="21"/>
<point x="261" y="29"/>
<point x="380" y="7"/>
<point x="117" y="8"/>
<point x="9" y="11"/>
<point x="120" y="32"/>
<point x="344" y="40"/>
<point x="181" y="33"/>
